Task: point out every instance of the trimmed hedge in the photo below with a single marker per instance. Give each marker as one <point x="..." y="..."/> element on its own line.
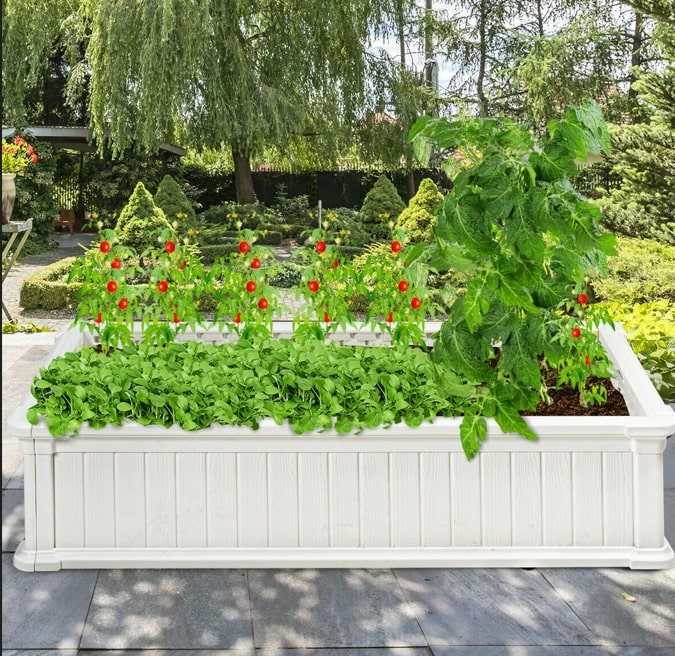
<point x="47" y="288"/>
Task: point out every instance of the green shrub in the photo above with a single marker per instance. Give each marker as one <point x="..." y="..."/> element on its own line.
<point x="420" y="216"/>
<point x="643" y="271"/>
<point x="295" y="210"/>
<point x="230" y="214"/>
<point x="141" y="221"/>
<point x="286" y="275"/>
<point x="210" y="253"/>
<point x="171" y="198"/>
<point x="650" y="328"/>
<point x="382" y="203"/>
<point x="47" y="288"/>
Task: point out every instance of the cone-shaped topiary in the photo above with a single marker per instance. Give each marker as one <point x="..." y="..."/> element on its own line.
<point x="141" y="221"/>
<point x="420" y="216"/>
<point x="382" y="203"/>
<point x="171" y="198"/>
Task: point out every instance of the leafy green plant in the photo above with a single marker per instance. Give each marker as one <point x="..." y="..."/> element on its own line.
<point x="311" y="384"/>
<point x="171" y="199"/>
<point x="25" y="328"/>
<point x="525" y="243"/>
<point x="650" y="328"/>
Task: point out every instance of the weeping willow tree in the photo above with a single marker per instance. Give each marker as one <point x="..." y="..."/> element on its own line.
<point x="208" y="73"/>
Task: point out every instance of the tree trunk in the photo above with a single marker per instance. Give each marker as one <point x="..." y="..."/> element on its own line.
<point x="635" y="59"/>
<point x="243" y="178"/>
<point x="482" y="63"/>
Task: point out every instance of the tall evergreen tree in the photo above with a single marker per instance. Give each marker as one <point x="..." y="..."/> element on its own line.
<point x="644" y="153"/>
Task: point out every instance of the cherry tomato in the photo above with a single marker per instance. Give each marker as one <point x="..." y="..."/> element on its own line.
<point x="326" y="318"/>
<point x="112" y="286"/>
<point x="262" y="303"/>
<point x="116" y="263"/>
<point x="582" y="298"/>
<point x="169" y="247"/>
<point x="99" y="318"/>
<point x="162" y="285"/>
<point x="251" y="286"/>
<point x="588" y="360"/>
<point x="244" y="247"/>
<point x="313" y="285"/>
<point x="320" y="246"/>
<point x="416" y="303"/>
<point x="105" y="247"/>
<point x="237" y="319"/>
<point x="396" y="246"/>
<point x="403" y="286"/>
<point x="390" y="317"/>
<point x="335" y="265"/>
<point x="123" y="304"/>
<point x="576" y="333"/>
<point x="175" y="318"/>
<point x="182" y="266"/>
<point x="255" y="263"/>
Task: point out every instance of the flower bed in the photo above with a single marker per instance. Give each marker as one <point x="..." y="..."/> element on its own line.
<point x="589" y="492"/>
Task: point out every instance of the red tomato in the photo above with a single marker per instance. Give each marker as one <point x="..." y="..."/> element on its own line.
<point x="251" y="286"/>
<point x="255" y="263"/>
<point x="237" y="319"/>
<point x="244" y="247"/>
<point x="182" y="266"/>
<point x="326" y="318"/>
<point x="576" y="333"/>
<point x="175" y="318"/>
<point x="416" y="303"/>
<point x="588" y="360"/>
<point x="99" y="318"/>
<point x="403" y="286"/>
<point x="320" y="246"/>
<point x="169" y="247"/>
<point x="105" y="247"/>
<point x="116" y="263"/>
<point x="112" y="286"/>
<point x="335" y="265"/>
<point x="313" y="286"/>
<point x="390" y="318"/>
<point x="582" y="298"/>
<point x="123" y="304"/>
<point x="262" y="303"/>
<point x="162" y="285"/>
<point x="396" y="246"/>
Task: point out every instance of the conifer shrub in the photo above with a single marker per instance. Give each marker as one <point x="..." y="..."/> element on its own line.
<point x="141" y="221"/>
<point x="382" y="203"/>
<point x="171" y="198"/>
<point x="420" y="216"/>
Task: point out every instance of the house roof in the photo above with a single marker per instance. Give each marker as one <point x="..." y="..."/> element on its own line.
<point x="73" y="138"/>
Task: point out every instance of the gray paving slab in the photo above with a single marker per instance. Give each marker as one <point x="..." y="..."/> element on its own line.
<point x="15" y="480"/>
<point x="168" y="652"/>
<point x="596" y="595"/>
<point x="11" y="460"/>
<point x="331" y="608"/>
<point x="12" y="519"/>
<point x="39" y="652"/>
<point x="490" y="607"/>
<point x="44" y="610"/>
<point x="360" y="651"/>
<point x="551" y="651"/>
<point x="169" y="609"/>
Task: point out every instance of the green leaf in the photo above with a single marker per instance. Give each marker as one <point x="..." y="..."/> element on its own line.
<point x="472" y="432"/>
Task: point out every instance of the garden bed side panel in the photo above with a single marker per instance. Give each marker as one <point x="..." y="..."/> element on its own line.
<point x="589" y="492"/>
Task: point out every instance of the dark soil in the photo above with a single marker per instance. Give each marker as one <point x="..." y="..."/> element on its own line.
<point x="566" y="403"/>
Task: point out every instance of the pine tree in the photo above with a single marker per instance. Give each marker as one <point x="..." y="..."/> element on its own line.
<point x="141" y="221"/>
<point x="171" y="198"/>
<point x="382" y="203"/>
<point x="644" y="154"/>
<point x="420" y="216"/>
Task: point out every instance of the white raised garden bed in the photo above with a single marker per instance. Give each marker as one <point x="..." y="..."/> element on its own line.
<point x="588" y="493"/>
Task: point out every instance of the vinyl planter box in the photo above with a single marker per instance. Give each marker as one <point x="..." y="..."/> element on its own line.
<point x="589" y="492"/>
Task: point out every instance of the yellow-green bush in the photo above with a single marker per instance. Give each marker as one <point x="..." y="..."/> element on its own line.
<point x="47" y="288"/>
<point x="420" y="216"/>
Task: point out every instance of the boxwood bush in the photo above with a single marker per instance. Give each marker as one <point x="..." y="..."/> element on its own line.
<point x="47" y="288"/>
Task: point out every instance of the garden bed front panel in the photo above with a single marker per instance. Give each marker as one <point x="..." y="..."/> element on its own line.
<point x="589" y="492"/>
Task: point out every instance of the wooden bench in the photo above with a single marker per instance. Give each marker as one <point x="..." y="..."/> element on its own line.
<point x="66" y="220"/>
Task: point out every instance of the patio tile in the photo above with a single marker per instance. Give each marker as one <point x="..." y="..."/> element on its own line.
<point x="490" y="607"/>
<point x="169" y="652"/>
<point x="39" y="652"/>
<point x="330" y="608"/>
<point x="169" y="609"/>
<point x="359" y="651"/>
<point x="595" y="595"/>
<point x="12" y="519"/>
<point x="44" y="610"/>
<point x="15" y="481"/>
<point x="520" y="650"/>
<point x="11" y="459"/>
